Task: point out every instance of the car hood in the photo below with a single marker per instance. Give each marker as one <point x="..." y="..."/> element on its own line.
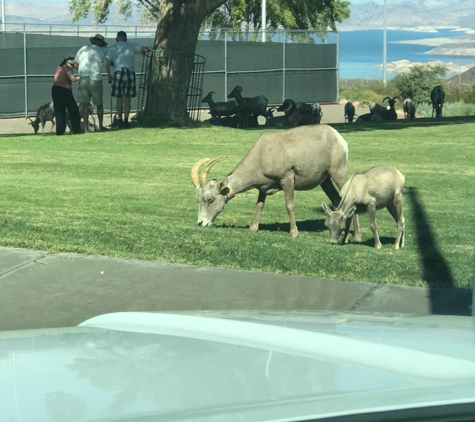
<point x="235" y="366"/>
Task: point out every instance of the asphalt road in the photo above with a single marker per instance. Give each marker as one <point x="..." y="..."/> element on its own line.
<point x="40" y="290"/>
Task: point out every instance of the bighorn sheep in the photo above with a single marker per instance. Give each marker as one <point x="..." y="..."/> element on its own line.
<point x="249" y="105"/>
<point x="314" y="110"/>
<point x="369" y="117"/>
<point x="227" y="121"/>
<point x="437" y="97"/>
<point x="349" y="112"/>
<point x="220" y="109"/>
<point x="391" y="113"/>
<point x="378" y="109"/>
<point x="295" y="159"/>
<point x="294" y="116"/>
<point x="276" y="121"/>
<point x="44" y="114"/>
<point x="409" y="107"/>
<point x="376" y="188"/>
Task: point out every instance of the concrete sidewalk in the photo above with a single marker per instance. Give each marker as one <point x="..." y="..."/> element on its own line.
<point x="40" y="290"/>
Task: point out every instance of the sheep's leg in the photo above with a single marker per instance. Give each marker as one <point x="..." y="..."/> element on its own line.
<point x="347" y="231"/>
<point x="374" y="227"/>
<point x="395" y="209"/>
<point x="52" y="126"/>
<point x="257" y="214"/>
<point x="288" y="188"/>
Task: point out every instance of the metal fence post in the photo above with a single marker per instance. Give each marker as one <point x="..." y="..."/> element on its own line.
<point x="283" y="67"/>
<point x="225" y="64"/>
<point x="25" y="71"/>
<point x="338" y="66"/>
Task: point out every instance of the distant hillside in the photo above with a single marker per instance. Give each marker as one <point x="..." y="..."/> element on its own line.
<point x="423" y="14"/>
<point x="465" y="78"/>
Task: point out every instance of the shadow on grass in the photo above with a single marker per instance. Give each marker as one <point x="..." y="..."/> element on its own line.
<point x="401" y="124"/>
<point x="436" y="271"/>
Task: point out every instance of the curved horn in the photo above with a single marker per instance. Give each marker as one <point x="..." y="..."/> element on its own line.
<point x="204" y="173"/>
<point x="396" y="98"/>
<point x="386" y="98"/>
<point x="194" y="171"/>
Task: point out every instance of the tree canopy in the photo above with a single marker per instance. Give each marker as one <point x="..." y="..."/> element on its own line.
<point x="302" y="14"/>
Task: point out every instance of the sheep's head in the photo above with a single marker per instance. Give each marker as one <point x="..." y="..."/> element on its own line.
<point x="391" y="101"/>
<point x="35" y="124"/>
<point x="211" y="196"/>
<point x="235" y="92"/>
<point x="337" y="222"/>
<point x="287" y="106"/>
<point x="208" y="97"/>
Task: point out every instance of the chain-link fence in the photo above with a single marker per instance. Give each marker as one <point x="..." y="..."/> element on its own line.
<point x="302" y="65"/>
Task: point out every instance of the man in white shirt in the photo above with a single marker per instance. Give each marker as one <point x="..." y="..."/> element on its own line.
<point x="91" y="59"/>
<point x="121" y="57"/>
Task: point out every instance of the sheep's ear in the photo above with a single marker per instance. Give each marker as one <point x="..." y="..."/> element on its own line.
<point x="351" y="211"/>
<point x="326" y="208"/>
<point x="222" y="184"/>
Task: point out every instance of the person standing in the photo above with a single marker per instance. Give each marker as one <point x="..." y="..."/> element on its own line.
<point x="91" y="60"/>
<point x="63" y="99"/>
<point x="121" y="57"/>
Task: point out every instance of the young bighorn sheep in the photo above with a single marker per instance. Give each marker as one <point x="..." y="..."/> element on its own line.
<point x="249" y="105"/>
<point x="409" y="107"/>
<point x="44" y="114"/>
<point x="437" y="97"/>
<point x="219" y="109"/>
<point x="376" y="188"/>
<point x="349" y="112"/>
<point x="300" y="158"/>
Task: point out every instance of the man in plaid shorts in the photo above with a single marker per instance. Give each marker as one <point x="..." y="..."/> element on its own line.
<point x="121" y="57"/>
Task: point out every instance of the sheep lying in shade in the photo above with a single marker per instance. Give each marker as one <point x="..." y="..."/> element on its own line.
<point x="294" y="116"/>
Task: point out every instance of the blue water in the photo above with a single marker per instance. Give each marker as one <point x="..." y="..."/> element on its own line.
<point x="361" y="52"/>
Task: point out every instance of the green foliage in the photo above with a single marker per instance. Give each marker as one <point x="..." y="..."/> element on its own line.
<point x="456" y="109"/>
<point x="365" y="91"/>
<point x="419" y="81"/>
<point x="132" y="196"/>
<point x="304" y="14"/>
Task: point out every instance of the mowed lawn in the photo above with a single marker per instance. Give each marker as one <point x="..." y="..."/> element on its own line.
<point x="129" y="194"/>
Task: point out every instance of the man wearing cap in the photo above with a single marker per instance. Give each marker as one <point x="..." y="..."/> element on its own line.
<point x="121" y="57"/>
<point x="91" y="60"/>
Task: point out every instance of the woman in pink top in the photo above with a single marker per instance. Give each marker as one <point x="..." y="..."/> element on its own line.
<point x="63" y="98"/>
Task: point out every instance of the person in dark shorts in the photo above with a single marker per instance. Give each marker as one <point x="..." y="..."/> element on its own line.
<point x="121" y="57"/>
<point x="63" y="98"/>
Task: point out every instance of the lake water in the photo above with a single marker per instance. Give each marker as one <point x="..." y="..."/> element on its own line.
<point x="361" y="52"/>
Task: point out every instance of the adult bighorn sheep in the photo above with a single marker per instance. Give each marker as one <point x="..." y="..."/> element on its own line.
<point x="349" y="112"/>
<point x="437" y="97"/>
<point x="409" y="107"/>
<point x="219" y="109"/>
<point x="295" y="116"/>
<point x="44" y="114"/>
<point x="249" y="105"/>
<point x="391" y="113"/>
<point x="300" y="158"/>
<point x="376" y="188"/>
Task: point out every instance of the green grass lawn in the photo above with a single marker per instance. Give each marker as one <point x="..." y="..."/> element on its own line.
<point x="129" y="194"/>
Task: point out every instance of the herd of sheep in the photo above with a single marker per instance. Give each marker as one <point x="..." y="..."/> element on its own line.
<point x="243" y="112"/>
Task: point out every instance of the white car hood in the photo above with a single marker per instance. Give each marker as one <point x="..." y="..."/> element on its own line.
<point x="235" y="366"/>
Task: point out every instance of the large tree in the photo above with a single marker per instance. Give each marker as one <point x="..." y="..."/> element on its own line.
<point x="178" y="26"/>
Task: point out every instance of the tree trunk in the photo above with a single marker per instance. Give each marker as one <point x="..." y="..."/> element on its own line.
<point x="173" y="57"/>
